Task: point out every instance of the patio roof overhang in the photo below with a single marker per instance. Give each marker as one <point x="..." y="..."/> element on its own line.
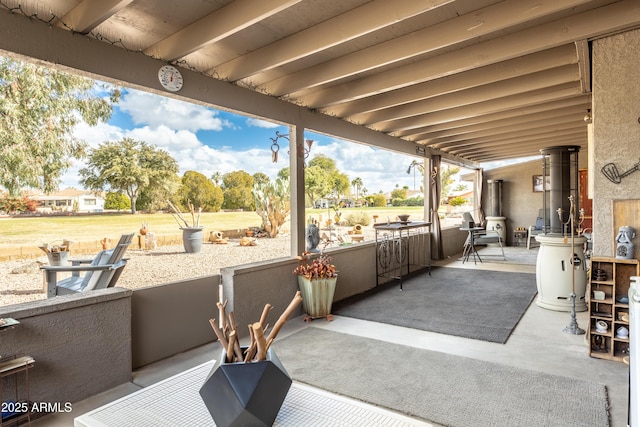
<point x="472" y="80"/>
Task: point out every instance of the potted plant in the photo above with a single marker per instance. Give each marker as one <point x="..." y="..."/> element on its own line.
<point x="337" y="214"/>
<point x="191" y="231"/>
<point x="317" y="279"/>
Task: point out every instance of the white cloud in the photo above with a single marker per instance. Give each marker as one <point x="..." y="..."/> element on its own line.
<point x="172" y="125"/>
<point x="155" y="111"/>
<point x="378" y="169"/>
<point x="261" y="123"/>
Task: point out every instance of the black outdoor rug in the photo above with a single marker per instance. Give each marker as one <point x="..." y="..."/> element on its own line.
<point x="479" y="304"/>
<point x="437" y="387"/>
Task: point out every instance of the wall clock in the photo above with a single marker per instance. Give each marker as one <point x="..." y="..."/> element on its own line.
<point x="170" y="78"/>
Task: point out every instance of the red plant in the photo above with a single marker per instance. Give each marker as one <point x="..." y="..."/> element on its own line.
<point x="10" y="204"/>
<point x="319" y="267"/>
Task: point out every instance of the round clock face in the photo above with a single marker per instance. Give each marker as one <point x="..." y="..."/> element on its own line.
<point x="170" y="78"/>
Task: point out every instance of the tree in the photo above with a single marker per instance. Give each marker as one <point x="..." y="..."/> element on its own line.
<point x="339" y="184"/>
<point x="39" y="108"/>
<point x="399" y="193"/>
<point x="198" y="190"/>
<point x="317" y="183"/>
<point x="260" y="178"/>
<point x="127" y="166"/>
<point x="154" y="198"/>
<point x="446" y="180"/>
<point x="357" y="184"/>
<point x="237" y="188"/>
<point x="284" y="173"/>
<point x="117" y="201"/>
<point x="322" y="178"/>
<point x="216" y="177"/>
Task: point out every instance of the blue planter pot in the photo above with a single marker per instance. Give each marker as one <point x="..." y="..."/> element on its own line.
<point x="192" y="239"/>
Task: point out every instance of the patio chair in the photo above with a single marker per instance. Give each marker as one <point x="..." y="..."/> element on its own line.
<point x="101" y="272"/>
<point x="481" y="237"/>
<point x="538" y="228"/>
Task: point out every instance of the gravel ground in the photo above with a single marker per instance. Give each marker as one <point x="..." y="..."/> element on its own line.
<point x="23" y="281"/>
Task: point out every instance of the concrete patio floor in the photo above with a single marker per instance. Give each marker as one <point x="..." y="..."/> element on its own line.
<point x="538" y="343"/>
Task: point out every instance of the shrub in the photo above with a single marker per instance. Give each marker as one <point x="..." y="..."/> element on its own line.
<point x="117" y="201"/>
<point x="361" y="218"/>
<point x="457" y="201"/>
<point x="415" y="201"/>
<point x="379" y="200"/>
<point x="10" y="204"/>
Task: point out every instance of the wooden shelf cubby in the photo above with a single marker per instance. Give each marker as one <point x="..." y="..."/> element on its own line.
<point x="612" y="311"/>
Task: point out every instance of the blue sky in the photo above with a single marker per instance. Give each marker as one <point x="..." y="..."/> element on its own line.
<point x="209" y="140"/>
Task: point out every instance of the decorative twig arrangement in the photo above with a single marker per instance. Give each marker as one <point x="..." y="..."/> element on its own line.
<point x="227" y="332"/>
<point x="177" y="215"/>
<point x="49" y="248"/>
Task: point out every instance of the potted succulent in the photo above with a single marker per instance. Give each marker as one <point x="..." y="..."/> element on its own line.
<point x="317" y="278"/>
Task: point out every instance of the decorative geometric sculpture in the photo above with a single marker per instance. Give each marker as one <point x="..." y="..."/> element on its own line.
<point x="246" y="394"/>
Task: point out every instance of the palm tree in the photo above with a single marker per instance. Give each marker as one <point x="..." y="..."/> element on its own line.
<point x="216" y="177"/>
<point x="357" y="183"/>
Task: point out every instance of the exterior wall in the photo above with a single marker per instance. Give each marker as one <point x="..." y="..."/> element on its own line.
<point x="81" y="344"/>
<point x="172" y="318"/>
<point x="249" y="287"/>
<point x="616" y="89"/>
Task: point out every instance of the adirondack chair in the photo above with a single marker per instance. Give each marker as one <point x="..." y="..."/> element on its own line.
<point x="100" y="272"/>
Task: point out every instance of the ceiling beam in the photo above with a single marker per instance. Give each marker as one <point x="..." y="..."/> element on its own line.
<point x="88" y="14"/>
<point x="489" y="120"/>
<point x="222" y="23"/>
<point x="571" y="121"/>
<point x="480" y="108"/>
<point x="619" y="15"/>
<point x="339" y="29"/>
<point x="535" y="124"/>
<point x="523" y="149"/>
<point x="510" y="142"/>
<point x="467" y="27"/>
<point x="528" y="64"/>
<point x="492" y="91"/>
<point x="584" y="64"/>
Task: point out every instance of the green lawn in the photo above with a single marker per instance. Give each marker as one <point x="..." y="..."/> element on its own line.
<point x="27" y="231"/>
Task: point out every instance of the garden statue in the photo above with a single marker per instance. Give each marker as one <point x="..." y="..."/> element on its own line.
<point x="312" y="235"/>
<point x="624" y="248"/>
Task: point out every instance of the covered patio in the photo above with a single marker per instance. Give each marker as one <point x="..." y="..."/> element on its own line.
<point x="537" y="344"/>
<point x="463" y="82"/>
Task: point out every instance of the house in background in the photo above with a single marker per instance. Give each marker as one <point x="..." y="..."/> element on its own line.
<point x="69" y="200"/>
